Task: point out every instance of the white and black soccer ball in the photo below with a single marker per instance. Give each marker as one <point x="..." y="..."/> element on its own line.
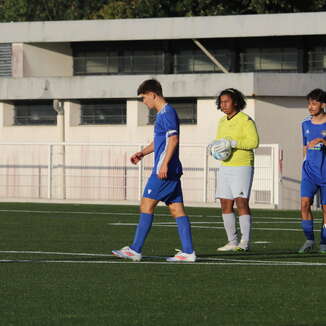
<point x="220" y="149"/>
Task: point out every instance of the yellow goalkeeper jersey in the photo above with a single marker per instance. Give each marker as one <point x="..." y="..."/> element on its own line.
<point x="242" y="130"/>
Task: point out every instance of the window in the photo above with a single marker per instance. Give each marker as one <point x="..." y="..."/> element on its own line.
<point x="118" y="58"/>
<point x="96" y="63"/>
<point x="269" y="59"/>
<point x="317" y="59"/>
<point x="185" y="107"/>
<point x="95" y="112"/>
<point x="5" y="59"/>
<point x="194" y="60"/>
<point x="35" y="113"/>
<point x="142" y="62"/>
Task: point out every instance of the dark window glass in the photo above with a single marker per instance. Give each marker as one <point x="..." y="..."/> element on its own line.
<point x="269" y="59"/>
<point x="103" y="112"/>
<point x="185" y="107"/>
<point x="118" y="58"/>
<point x="317" y="59"/>
<point x="35" y="113"/>
<point x="142" y="62"/>
<point x="195" y="61"/>
<point x="96" y="63"/>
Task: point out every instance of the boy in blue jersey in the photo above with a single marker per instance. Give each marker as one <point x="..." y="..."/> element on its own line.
<point x="314" y="168"/>
<point x="164" y="183"/>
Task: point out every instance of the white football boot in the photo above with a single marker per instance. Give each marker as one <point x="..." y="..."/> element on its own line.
<point x="308" y="246"/>
<point x="230" y="246"/>
<point x="243" y="246"/>
<point x="127" y="253"/>
<point x="183" y="257"/>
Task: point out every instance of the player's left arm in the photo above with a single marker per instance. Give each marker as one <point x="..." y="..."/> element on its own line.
<point x="173" y="142"/>
<point x="250" y="139"/>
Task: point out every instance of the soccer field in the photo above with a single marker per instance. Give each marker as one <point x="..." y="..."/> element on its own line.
<point x="57" y="269"/>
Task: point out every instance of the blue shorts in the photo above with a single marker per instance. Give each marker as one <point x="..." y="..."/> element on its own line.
<point x="309" y="189"/>
<point x="165" y="190"/>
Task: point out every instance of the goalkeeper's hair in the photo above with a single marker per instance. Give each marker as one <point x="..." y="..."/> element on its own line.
<point x="317" y="94"/>
<point x="238" y="99"/>
<point x="150" y="85"/>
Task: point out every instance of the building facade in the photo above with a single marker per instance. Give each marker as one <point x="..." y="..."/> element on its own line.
<point x="76" y="81"/>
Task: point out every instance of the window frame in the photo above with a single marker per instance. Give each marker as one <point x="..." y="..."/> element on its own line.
<point x="38" y="120"/>
<point x="99" y="105"/>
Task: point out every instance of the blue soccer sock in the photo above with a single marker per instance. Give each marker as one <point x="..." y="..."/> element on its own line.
<point x="323" y="234"/>
<point x="184" y="230"/>
<point x="143" y="228"/>
<point x="308" y="229"/>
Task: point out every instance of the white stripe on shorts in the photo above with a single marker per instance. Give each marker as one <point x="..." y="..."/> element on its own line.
<point x="234" y="182"/>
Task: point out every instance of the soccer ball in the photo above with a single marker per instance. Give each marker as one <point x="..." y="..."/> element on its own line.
<point x="220" y="149"/>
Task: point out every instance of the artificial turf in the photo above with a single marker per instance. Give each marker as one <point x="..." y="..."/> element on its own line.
<point x="45" y="282"/>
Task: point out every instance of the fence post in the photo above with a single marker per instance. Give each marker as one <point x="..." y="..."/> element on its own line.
<point x="140" y="175"/>
<point x="276" y="181"/>
<point x="50" y="168"/>
<point x="205" y="174"/>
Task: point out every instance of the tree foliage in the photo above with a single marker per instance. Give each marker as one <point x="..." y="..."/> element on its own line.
<point x="43" y="10"/>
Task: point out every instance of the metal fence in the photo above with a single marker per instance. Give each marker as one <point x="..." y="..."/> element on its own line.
<point x="103" y="172"/>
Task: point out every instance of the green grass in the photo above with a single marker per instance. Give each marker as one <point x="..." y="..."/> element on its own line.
<point x="57" y="289"/>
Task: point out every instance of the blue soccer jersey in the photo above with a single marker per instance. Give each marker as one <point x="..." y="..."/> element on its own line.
<point x="166" y="125"/>
<point x="314" y="165"/>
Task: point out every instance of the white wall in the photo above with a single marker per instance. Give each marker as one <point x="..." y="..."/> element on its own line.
<point x="279" y="122"/>
<point x="47" y="60"/>
<point x="12" y="133"/>
<point x="165" y="28"/>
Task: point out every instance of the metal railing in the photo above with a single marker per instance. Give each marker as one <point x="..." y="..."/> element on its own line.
<point x="103" y="172"/>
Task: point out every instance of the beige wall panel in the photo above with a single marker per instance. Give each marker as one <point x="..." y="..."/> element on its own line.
<point x="47" y="60"/>
<point x="279" y="122"/>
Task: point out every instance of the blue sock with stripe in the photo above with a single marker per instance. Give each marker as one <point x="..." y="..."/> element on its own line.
<point x="184" y="230"/>
<point x="143" y="228"/>
<point x="323" y="234"/>
<point x="308" y="229"/>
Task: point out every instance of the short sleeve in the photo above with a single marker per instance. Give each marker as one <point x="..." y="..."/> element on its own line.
<point x="171" y="122"/>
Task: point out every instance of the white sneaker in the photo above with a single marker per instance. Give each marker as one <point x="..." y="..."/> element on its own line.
<point x="127" y="253"/>
<point x="243" y="246"/>
<point x="308" y="246"/>
<point x="231" y="246"/>
<point x="183" y="257"/>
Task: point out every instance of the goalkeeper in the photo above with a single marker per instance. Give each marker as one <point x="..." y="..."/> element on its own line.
<point x="235" y="175"/>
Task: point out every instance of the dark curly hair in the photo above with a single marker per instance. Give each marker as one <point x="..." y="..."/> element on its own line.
<point x="317" y="94"/>
<point x="237" y="97"/>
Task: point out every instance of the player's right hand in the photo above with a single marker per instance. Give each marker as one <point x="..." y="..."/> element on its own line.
<point x="134" y="159"/>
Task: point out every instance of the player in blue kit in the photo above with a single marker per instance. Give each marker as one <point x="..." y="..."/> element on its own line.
<point x="164" y="183"/>
<point x="314" y="168"/>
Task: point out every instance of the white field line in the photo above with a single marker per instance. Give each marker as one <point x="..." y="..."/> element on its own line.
<point x="201" y="261"/>
<point x="53" y="253"/>
<point x="296" y="264"/>
<point x="133" y="214"/>
<point x="213" y="222"/>
<point x="83" y="212"/>
<point x="206" y="227"/>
